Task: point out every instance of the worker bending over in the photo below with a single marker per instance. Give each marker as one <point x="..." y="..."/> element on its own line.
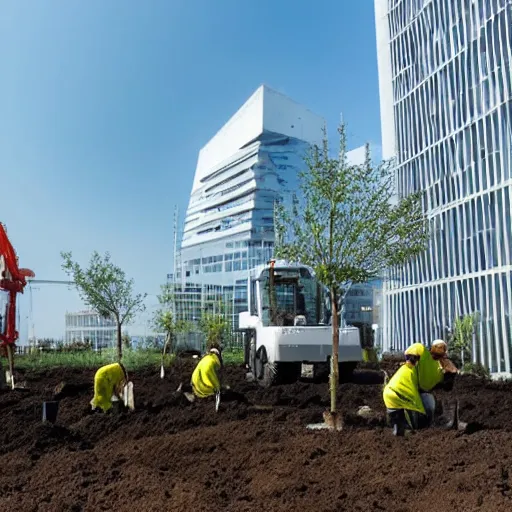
<point x="109" y="381"/>
<point x="205" y="379"/>
<point x="407" y="396"/>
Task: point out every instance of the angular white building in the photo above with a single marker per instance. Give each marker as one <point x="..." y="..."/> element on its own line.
<point x="249" y="164"/>
<point x="446" y="108"/>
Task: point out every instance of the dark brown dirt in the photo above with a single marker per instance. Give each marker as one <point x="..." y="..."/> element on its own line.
<point x="170" y="455"/>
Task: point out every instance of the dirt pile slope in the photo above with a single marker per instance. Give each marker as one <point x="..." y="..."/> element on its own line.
<point x="170" y="455"/>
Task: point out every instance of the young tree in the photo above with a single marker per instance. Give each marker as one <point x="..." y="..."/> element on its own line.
<point x="164" y="321"/>
<point x="464" y="328"/>
<point x="349" y="227"/>
<point x="215" y="324"/>
<point x="104" y="287"/>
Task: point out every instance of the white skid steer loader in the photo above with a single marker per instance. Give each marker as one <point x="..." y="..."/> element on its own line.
<point x="288" y="325"/>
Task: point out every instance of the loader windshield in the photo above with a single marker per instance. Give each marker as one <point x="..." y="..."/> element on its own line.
<point x="289" y="294"/>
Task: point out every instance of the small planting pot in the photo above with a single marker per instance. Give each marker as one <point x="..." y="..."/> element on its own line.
<point x="50" y="411"/>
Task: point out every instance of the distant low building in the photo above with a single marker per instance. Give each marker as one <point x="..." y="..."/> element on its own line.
<point x="88" y="326"/>
<point x="362" y="309"/>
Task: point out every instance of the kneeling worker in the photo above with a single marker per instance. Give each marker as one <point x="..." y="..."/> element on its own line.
<point x="407" y="397"/>
<point x="205" y="379"/>
<point x="108" y="381"/>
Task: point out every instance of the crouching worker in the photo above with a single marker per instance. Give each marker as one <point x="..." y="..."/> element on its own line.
<point x="206" y="379"/>
<point x="409" y="403"/>
<point x="109" y="381"/>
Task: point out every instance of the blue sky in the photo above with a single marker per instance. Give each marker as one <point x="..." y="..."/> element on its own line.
<point x="105" y="105"/>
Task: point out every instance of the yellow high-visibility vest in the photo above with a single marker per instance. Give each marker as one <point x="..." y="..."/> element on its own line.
<point x="205" y="380"/>
<point x="402" y="391"/>
<point x="107" y="378"/>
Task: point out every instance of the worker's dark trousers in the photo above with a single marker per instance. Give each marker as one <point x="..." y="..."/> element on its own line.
<point x="404" y="419"/>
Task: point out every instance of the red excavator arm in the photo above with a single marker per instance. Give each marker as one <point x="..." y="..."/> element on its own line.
<point x="12" y="281"/>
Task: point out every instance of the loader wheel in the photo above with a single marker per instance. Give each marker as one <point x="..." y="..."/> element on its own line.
<point x="269" y="374"/>
<point x="265" y="372"/>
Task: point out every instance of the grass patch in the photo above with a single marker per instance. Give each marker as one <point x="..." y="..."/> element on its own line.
<point x="88" y="359"/>
<point x="132" y="359"/>
<point x="233" y="356"/>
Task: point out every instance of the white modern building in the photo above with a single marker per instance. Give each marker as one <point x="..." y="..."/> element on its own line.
<point x="88" y="326"/>
<point x="446" y="108"/>
<point x="252" y="162"/>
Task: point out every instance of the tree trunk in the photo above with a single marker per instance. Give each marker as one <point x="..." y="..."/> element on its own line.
<point x="168" y="343"/>
<point x="334" y="377"/>
<point x="119" y="341"/>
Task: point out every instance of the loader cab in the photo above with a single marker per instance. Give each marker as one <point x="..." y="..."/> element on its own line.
<point x="286" y="297"/>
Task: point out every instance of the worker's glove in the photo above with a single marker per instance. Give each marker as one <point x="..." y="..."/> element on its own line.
<point x="447" y="366"/>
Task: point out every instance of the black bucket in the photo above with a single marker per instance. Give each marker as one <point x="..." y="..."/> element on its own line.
<point x="50" y="411"/>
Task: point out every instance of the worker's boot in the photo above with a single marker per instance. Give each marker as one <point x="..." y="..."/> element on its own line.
<point x="449" y="417"/>
<point x="396" y="420"/>
<point x="186" y="391"/>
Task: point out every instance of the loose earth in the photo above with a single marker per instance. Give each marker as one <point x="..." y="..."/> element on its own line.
<point x="170" y="455"/>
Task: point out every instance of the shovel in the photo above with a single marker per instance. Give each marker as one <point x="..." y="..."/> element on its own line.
<point x="162" y="369"/>
<point x="128" y="396"/>
<point x="217" y="401"/>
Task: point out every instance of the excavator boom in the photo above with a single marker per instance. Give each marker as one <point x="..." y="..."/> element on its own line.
<point x="12" y="281"/>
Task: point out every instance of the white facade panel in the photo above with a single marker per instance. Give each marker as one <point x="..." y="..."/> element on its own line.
<point x="242" y="128"/>
<point x="449" y="70"/>
<point x="286" y="117"/>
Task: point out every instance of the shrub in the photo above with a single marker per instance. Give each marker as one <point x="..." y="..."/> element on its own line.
<point x="476" y="369"/>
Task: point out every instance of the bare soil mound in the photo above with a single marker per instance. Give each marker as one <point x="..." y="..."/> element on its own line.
<point x="172" y="455"/>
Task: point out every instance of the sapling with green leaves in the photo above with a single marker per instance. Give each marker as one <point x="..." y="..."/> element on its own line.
<point x="215" y="324"/>
<point x="165" y="322"/>
<point x="349" y="226"/>
<point x="104" y="287"/>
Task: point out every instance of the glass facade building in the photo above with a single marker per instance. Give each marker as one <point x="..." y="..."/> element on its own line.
<point x="445" y="82"/>
<point x="88" y="326"/>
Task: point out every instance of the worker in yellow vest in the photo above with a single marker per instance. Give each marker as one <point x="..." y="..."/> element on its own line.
<point x="109" y="381"/>
<point x="205" y="379"/>
<point x="407" y="396"/>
